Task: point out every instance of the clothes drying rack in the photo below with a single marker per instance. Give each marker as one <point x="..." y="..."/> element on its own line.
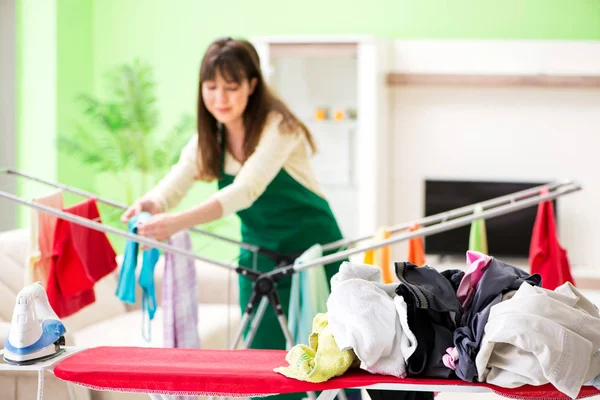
<point x="265" y="284"/>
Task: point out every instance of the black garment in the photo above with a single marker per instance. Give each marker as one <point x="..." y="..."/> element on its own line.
<point x="433" y="313"/>
<point x="455" y="276"/>
<point x="398" y="395"/>
<point x="498" y="279"/>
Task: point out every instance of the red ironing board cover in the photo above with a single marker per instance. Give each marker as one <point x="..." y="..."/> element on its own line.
<point x="232" y="373"/>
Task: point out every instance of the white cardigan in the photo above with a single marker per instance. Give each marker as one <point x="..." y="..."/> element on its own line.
<point x="274" y="151"/>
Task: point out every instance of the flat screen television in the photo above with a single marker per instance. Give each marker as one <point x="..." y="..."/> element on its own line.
<point x="508" y="235"/>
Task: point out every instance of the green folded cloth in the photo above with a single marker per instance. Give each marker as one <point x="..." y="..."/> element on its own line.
<point x="322" y="359"/>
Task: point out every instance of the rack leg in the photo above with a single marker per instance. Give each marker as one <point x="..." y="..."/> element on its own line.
<point x="252" y="301"/>
<point x="262" y="307"/>
<point x="240" y="331"/>
<point x="328" y="394"/>
<point x="286" y="332"/>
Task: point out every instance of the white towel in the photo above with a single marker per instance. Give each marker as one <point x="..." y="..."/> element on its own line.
<point x="367" y="316"/>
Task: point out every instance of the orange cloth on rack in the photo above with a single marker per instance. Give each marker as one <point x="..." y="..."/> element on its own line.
<point x="42" y="238"/>
<point x="546" y="256"/>
<point x="369" y="255"/>
<point x="416" y="250"/>
<point x="381" y="257"/>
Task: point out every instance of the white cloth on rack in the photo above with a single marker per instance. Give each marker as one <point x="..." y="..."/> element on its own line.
<point x="367" y="316"/>
<point x="541" y="336"/>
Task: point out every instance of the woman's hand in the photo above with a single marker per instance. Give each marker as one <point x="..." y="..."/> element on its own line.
<point x="159" y="227"/>
<point x="141" y="205"/>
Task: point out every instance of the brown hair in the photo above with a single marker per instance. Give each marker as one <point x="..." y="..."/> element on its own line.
<point x="236" y="61"/>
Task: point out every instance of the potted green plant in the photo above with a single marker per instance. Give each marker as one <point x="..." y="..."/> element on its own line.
<point x="119" y="136"/>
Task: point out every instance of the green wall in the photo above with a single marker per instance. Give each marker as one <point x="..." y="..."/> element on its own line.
<point x="36" y="91"/>
<point x="193" y="22"/>
<point x="54" y="63"/>
<point x="73" y="43"/>
<point x="75" y="66"/>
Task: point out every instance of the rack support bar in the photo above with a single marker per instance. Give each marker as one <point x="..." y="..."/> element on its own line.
<point x="442" y="227"/>
<point x="108" y="229"/>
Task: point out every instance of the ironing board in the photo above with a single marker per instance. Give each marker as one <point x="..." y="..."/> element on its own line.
<point x="244" y="373"/>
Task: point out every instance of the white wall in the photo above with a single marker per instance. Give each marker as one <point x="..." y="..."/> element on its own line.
<point x="306" y="83"/>
<point x="8" y="147"/>
<point x="513" y="134"/>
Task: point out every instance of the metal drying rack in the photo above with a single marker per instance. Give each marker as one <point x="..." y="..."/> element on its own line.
<point x="265" y="283"/>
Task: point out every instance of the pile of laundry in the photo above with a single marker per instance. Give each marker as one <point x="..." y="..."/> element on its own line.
<point x="492" y="322"/>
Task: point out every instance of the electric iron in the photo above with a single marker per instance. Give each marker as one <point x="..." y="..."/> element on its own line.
<point x="36" y="333"/>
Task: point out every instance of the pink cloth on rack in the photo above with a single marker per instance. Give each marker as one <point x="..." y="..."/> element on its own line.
<point x="450" y="358"/>
<point x="179" y="296"/>
<point x="42" y="231"/>
<point x="477" y="264"/>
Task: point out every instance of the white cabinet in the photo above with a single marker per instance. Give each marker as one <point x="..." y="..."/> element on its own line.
<point x="347" y="75"/>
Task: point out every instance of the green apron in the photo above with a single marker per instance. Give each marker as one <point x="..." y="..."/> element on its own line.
<point x="287" y="218"/>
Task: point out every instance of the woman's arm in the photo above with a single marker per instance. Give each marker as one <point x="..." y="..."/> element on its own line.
<point x="162" y="226"/>
<point x="169" y="192"/>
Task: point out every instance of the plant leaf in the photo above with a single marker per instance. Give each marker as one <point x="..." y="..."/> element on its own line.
<point x="133" y="88"/>
<point x="119" y="133"/>
<point x="168" y="149"/>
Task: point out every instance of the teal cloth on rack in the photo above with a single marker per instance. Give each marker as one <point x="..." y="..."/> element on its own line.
<point x="478" y="234"/>
<point x="308" y="295"/>
<point x="126" y="285"/>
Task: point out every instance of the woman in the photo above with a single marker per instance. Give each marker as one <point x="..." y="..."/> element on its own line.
<point x="258" y="151"/>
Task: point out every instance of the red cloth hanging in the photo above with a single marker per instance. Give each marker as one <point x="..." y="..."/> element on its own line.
<point x="81" y="256"/>
<point x="95" y="251"/>
<point x="546" y="256"/>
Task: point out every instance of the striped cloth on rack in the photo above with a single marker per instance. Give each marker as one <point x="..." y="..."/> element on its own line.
<point x="179" y="299"/>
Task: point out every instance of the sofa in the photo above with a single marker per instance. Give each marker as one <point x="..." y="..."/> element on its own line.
<point x="108" y="321"/>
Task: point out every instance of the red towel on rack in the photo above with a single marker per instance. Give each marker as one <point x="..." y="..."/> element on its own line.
<point x="546" y="256"/>
<point x="81" y="256"/>
<point x="93" y="247"/>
